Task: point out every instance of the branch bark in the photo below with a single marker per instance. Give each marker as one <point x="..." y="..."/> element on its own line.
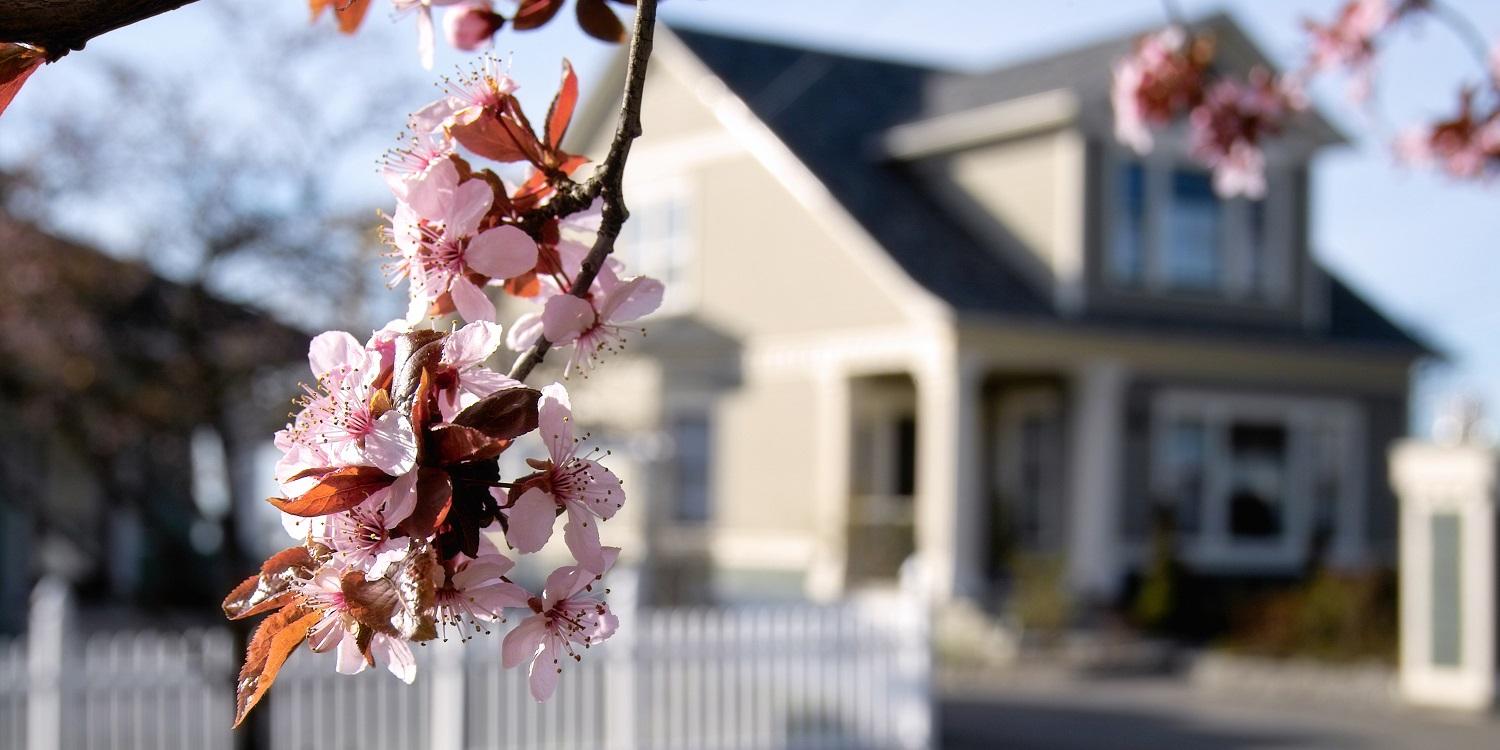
<point x="608" y="182"/>
<point x="59" y="26"/>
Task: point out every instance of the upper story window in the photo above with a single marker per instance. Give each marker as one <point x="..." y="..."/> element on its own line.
<point x="658" y="237"/>
<point x="1170" y="233"/>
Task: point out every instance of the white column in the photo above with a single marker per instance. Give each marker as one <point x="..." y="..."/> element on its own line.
<point x="1096" y="426"/>
<point x="50" y="647"/>
<point x="950" y="514"/>
<point x="826" y="575"/>
<point x="1449" y="623"/>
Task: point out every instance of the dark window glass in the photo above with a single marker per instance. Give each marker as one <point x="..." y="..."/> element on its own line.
<point x="691" y="441"/>
<point x="1194" y="233"/>
<point x="906" y="456"/>
<point x="1127" y="257"/>
<point x="1257" y="480"/>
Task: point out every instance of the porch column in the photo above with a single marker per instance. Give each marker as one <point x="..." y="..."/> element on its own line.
<point x="1096" y="427"/>
<point x="950" y="511"/>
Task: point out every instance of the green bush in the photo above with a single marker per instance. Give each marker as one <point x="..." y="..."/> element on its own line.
<point x="1341" y="617"/>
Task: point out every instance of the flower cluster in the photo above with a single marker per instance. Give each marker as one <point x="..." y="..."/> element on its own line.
<point x="1465" y="146"/>
<point x="1168" y="76"/>
<point x="390" y="472"/>
<point x="1348" y="42"/>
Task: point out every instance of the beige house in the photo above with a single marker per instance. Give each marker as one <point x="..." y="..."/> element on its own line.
<point x="917" y="311"/>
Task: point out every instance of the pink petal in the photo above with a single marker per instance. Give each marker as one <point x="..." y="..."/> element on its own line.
<point x="502" y="252"/>
<point x="402" y="499"/>
<point x="565" y="583"/>
<point x="604" y="494"/>
<point x="632" y="299"/>
<point x="555" y="421"/>
<point x="498" y="595"/>
<point x="430" y="118"/>
<point x="326" y="634"/>
<point x="565" y="317"/>
<point x="431" y="196"/>
<point x="425" y="34"/>
<point x="472" y="344"/>
<point x="350" y="661"/>
<point x="524" y="332"/>
<point x="471" y="201"/>
<point x="581" y="533"/>
<point x="396" y="656"/>
<point x="479" y="382"/>
<point x="544" y="672"/>
<point x="522" y="643"/>
<point x="332" y="350"/>
<point x="471" y="301"/>
<point x="392" y="445"/>
<point x="482" y="570"/>
<point x="531" y="520"/>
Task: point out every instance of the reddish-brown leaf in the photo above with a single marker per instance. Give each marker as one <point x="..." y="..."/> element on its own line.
<point x="434" y="499"/>
<point x="273" y="587"/>
<point x="319" y="472"/>
<point x="505" y="414"/>
<point x="274" y="640"/>
<point x="534" y="13"/>
<point x="17" y="63"/>
<point x="348" y="13"/>
<point x="487" y="136"/>
<point x="453" y="443"/>
<point x="336" y="492"/>
<point x="400" y="603"/>
<point x="560" y="113"/>
<point x="599" y="22"/>
<point x="416" y="352"/>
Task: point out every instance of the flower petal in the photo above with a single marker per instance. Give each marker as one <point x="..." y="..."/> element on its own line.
<point x="501" y="253"/>
<point x="402" y="499"/>
<point x="472" y="303"/>
<point x="334" y="349"/>
<point x="397" y="657"/>
<point x="471" y="201"/>
<point x="581" y="533"/>
<point x="634" y="298"/>
<point x="350" y="660"/>
<point x="472" y="344"/>
<point x="523" y="642"/>
<point x="524" y="332"/>
<point x="544" y="672"/>
<point x="531" y="520"/>
<point x="392" y="445"/>
<point x="565" y="317"/>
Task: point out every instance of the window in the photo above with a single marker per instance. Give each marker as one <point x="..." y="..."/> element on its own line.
<point x="657" y="239"/>
<point x="1127" y="260"/>
<point x="692" y="439"/>
<point x="1171" y="233"/>
<point x="1257" y="479"/>
<point x="1194" y="234"/>
<point x="885" y="456"/>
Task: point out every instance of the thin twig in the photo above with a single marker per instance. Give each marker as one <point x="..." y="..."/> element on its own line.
<point x="608" y="182"/>
<point x="1472" y="38"/>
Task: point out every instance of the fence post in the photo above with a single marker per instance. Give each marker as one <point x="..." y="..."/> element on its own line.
<point x="48" y="627"/>
<point x="916" y="717"/>
<point x="620" y="652"/>
<point x="446" y="731"/>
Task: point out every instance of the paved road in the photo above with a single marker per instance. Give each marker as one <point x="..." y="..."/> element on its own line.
<point x="1164" y="714"/>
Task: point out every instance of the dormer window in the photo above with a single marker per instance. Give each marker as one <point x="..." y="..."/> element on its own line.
<point x="1171" y="234"/>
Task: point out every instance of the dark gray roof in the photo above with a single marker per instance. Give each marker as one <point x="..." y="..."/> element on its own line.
<point x="831" y="109"/>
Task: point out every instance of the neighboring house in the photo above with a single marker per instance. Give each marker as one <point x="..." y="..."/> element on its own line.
<point x="912" y="310"/>
<point x="129" y="422"/>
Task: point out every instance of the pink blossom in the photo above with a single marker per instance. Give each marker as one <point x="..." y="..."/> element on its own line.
<point x="593" y="325"/>
<point x="463" y="356"/>
<point x="1466" y="146"/>
<point x="1228" y="127"/>
<point x="361" y="536"/>
<point x="581" y="487"/>
<point x="1159" y="80"/>
<point x="436" y="232"/>
<point x="475" y="593"/>
<point x="569" y="613"/>
<point x="425" y="30"/>
<point x="336" y="630"/>
<point x="471" y="25"/>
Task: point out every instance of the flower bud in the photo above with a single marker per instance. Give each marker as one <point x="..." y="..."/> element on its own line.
<point x="470" y="26"/>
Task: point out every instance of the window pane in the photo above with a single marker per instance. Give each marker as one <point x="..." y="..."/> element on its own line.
<point x="906" y="456"/>
<point x="690" y="440"/>
<point x="1256" y="266"/>
<point x="1187" y="453"/>
<point x="1127" y="257"/>
<point x="1193" y="233"/>
<point x="1257" y="480"/>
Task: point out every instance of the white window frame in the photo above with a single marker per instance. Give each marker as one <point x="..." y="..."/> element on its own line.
<point x="681" y="287"/>
<point x="1213" y="547"/>
<point x="1236" y="283"/>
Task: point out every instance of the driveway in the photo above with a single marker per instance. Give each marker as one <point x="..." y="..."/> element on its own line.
<point x="1031" y="713"/>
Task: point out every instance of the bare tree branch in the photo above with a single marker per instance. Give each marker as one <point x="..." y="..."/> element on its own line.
<point x="608" y="182"/>
<point x="59" y="26"/>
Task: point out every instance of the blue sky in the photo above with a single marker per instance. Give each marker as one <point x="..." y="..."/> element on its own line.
<point x="1421" y="246"/>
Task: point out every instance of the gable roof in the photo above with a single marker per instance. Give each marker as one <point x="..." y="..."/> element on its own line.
<point x="832" y="111"/>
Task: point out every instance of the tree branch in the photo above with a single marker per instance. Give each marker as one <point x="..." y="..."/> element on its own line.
<point x="59" y="26"/>
<point x="608" y="182"/>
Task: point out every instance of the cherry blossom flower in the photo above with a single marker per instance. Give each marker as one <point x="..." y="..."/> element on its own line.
<point x="436" y="232"/>
<point x="569" y="613"/>
<point x="361" y="536"/>
<point x="462" y="366"/>
<point x="1156" y="83"/>
<point x="1228" y="127"/>
<point x="582" y="488"/>
<point x="593" y="324"/>
<point x="336" y="630"/>
<point x="471" y="25"/>
<point x="1466" y="146"/>
<point x="1349" y="42"/>
<point x="425" y="31"/>
<point x="475" y="593"/>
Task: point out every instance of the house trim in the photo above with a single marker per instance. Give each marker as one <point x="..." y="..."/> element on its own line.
<point x="1016" y="118"/>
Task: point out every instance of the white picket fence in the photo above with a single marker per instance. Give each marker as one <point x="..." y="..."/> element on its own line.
<point x="850" y="675"/>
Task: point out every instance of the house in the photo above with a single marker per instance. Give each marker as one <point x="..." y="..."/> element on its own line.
<point x="944" y="313"/>
<point x="129" y="424"/>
